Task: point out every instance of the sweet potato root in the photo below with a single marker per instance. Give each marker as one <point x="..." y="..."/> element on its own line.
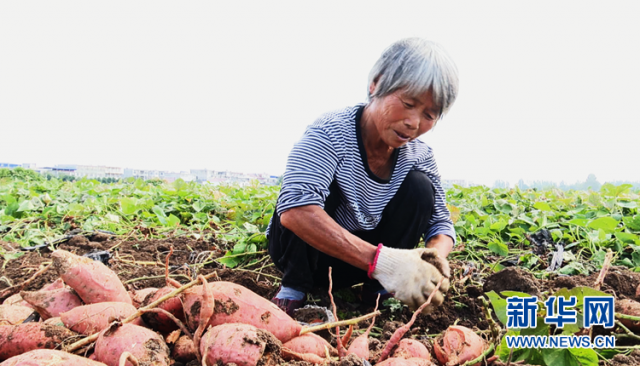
<point x="458" y="345"/>
<point x="310" y="343"/>
<point x="242" y="344"/>
<point x="161" y="322"/>
<point x="400" y="332"/>
<point x="146" y="345"/>
<point x="93" y="281"/>
<point x="46" y="357"/>
<point x="92" y="318"/>
<point x="184" y="350"/>
<point x="16" y="299"/>
<point x="138" y="296"/>
<point x="360" y="345"/>
<point x="290" y="355"/>
<point x="398" y="361"/>
<point x="21" y="338"/>
<point x="237" y="304"/>
<point x="629" y="307"/>
<point x="14" y="314"/>
<point x="55" y="321"/>
<point x="409" y="348"/>
<point x="52" y="303"/>
<point x="59" y="283"/>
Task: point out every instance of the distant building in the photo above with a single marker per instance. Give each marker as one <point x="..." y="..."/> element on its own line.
<point x="199" y="175"/>
<point x="87" y="171"/>
<point x="141" y="174"/>
<point x="202" y="175"/>
<point x="11" y="166"/>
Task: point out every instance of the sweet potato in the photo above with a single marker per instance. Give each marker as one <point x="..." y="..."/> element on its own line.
<point x="184" y="350"/>
<point x="14" y="314"/>
<point x="399" y="361"/>
<point x="310" y="343"/>
<point x="289" y="355"/>
<point x="409" y="348"/>
<point x="59" y="283"/>
<point x="52" y="303"/>
<point x="54" y="321"/>
<point x="400" y="332"/>
<point x="146" y="345"/>
<point x="360" y="345"/>
<point x="93" y="281"/>
<point x="138" y="296"/>
<point x="237" y="304"/>
<point x="629" y="307"/>
<point x="161" y="322"/>
<point x="458" y="345"/>
<point x="21" y="338"/>
<point x="46" y="357"/>
<point x="242" y="344"/>
<point x="16" y="299"/>
<point x="92" y="318"/>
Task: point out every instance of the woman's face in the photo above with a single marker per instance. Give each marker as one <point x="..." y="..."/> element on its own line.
<point x="400" y="118"/>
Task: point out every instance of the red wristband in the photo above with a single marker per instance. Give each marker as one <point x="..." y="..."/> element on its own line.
<point x="372" y="265"/>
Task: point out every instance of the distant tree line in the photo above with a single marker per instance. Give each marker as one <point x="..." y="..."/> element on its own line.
<point x="20" y="174"/>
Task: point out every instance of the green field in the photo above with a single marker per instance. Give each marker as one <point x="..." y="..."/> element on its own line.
<point x="496" y="228"/>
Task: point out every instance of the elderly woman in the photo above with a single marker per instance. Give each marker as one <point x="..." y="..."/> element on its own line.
<point x="360" y="190"/>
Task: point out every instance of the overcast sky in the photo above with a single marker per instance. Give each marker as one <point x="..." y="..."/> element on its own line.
<point x="548" y="89"/>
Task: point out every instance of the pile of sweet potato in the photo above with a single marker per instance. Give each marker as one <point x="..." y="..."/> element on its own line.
<point x="220" y="323"/>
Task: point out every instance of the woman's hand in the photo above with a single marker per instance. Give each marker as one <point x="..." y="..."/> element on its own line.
<point x="409" y="274"/>
<point x="442" y="245"/>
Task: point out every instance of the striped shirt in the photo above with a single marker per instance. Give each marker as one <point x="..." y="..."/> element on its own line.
<point x="329" y="150"/>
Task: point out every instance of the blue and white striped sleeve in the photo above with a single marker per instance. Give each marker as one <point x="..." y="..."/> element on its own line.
<point x="440" y="222"/>
<point x="310" y="170"/>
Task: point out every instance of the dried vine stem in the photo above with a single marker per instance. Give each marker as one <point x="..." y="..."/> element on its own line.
<point x="341" y="323"/>
<point x="397" y="335"/>
<point x="603" y="272"/>
<point x="341" y="351"/>
<point x="83" y="342"/>
<point x="17" y="288"/>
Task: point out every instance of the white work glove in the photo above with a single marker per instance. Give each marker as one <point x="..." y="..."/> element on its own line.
<point x="411" y="274"/>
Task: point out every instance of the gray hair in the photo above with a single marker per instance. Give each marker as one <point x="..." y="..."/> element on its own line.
<point x="417" y="66"/>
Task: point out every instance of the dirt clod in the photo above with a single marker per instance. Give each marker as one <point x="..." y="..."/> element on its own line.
<point x="512" y="279"/>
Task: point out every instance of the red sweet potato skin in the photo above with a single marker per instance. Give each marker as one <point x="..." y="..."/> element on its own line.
<point x="414" y="361"/>
<point x="138" y="296"/>
<point x="409" y="348"/>
<point x="310" y="343"/>
<point x="146" y="345"/>
<point x="237" y="304"/>
<point x="54" y="321"/>
<point x="92" y="318"/>
<point x="161" y="322"/>
<point x="14" y="314"/>
<point x="21" y="338"/>
<point x="59" y="283"/>
<point x="93" y="281"/>
<point x="184" y="350"/>
<point x="46" y="357"/>
<point x="629" y="307"/>
<point x="50" y="304"/>
<point x="16" y="299"/>
<point x="360" y="347"/>
<point x="458" y="345"/>
<point x="237" y="343"/>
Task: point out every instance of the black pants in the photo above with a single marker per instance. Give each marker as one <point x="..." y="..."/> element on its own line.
<point x="404" y="219"/>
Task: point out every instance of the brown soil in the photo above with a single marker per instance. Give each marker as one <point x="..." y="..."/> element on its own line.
<point x="512" y="279"/>
<point x="140" y="264"/>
